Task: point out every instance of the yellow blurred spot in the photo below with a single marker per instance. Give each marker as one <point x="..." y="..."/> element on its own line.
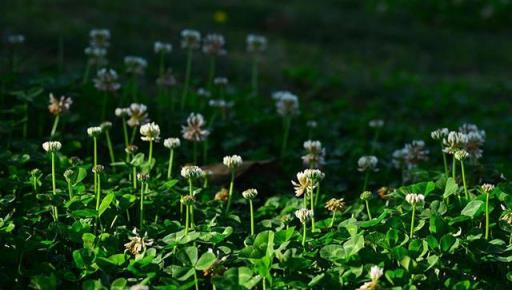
<point x="220" y="16"/>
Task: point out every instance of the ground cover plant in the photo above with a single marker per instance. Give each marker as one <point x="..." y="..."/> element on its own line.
<point x="200" y="161"/>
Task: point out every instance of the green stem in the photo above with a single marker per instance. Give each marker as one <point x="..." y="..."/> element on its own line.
<point x="333" y="218"/>
<point x="412" y="221"/>
<point x="487" y="216"/>
<point x="186" y="220"/>
<point x="70" y="190"/>
<point x="264" y="283"/>
<point x="54" y="188"/>
<point x="312" y="198"/>
<point x="187" y="78"/>
<point x="98" y="191"/>
<point x="366" y="177"/>
<point x="95" y="159"/>
<point x="195" y="280"/>
<point x="150" y="155"/>
<point x="368" y="210"/>
<point x="86" y="73"/>
<point x="171" y="159"/>
<point x="445" y="161"/>
<point x="191" y="210"/>
<point x="25" y="120"/>
<point x="134" y="172"/>
<point x="110" y="149"/>
<point x="252" y="217"/>
<point x="141" y="217"/>
<point x="231" y="185"/>
<point x="464" y="180"/>
<point x="454" y="169"/>
<point x="303" y="234"/>
<point x="55" y="124"/>
<point x="125" y="135"/>
<point x="287" y="122"/>
<point x="134" y="133"/>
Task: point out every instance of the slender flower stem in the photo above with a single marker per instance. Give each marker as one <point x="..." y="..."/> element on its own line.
<point x="134" y="133"/>
<point x="317" y="194"/>
<point x="264" y="283"/>
<point x="95" y="160"/>
<point x="150" y="155"/>
<point x="366" y="177"/>
<point x="110" y="149"/>
<point x="55" y="124"/>
<point x="98" y="191"/>
<point x="86" y="73"/>
<point x="125" y="135"/>
<point x="445" y="161"/>
<point x="70" y="190"/>
<point x="412" y="221"/>
<point x="186" y="219"/>
<point x="303" y="234"/>
<point x="194" y="152"/>
<point x="454" y="167"/>
<point x="368" y="210"/>
<point x="195" y="280"/>
<point x="141" y="217"/>
<point x="171" y="159"/>
<point x="134" y="177"/>
<point x="191" y="208"/>
<point x="333" y="218"/>
<point x="287" y="121"/>
<point x="54" y="188"/>
<point x="211" y="73"/>
<point x="252" y="217"/>
<point x="312" y="198"/>
<point x="231" y="185"/>
<point x="464" y="179"/>
<point x="487" y="215"/>
<point x="375" y="139"/>
<point x="187" y="78"/>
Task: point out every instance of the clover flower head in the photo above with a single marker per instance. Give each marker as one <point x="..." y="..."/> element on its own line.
<point x="131" y="149"/>
<point x="135" y="65"/>
<point x="314" y="174"/>
<point x="221" y="104"/>
<point x="172" y="143"/>
<point x="122" y="112"/>
<point x="213" y="44"/>
<point x="59" y="106"/>
<point x="287" y="104"/>
<point x="366" y="195"/>
<point x="250" y="193"/>
<point x="150" y="132"/>
<point x="106" y="80"/>
<point x="94" y="131"/>
<point x="99" y="38"/>
<point x="68" y="174"/>
<point x="190" y="39"/>
<point x="15" y="39"/>
<point x="167" y="79"/>
<point x="410" y="155"/>
<point x="106" y="125"/>
<point x="191" y="171"/>
<point x="52" y="146"/>
<point x="475" y="140"/>
<point x="439" y="134"/>
<point x="376" y="272"/>
<point x="335" y="204"/>
<point x="162" y="47"/>
<point x="98" y="168"/>
<point x="507" y="218"/>
<point x="461" y="154"/>
<point x="414" y="198"/>
<point x="304" y="184"/>
<point x="256" y="43"/>
<point x="36" y="172"/>
<point x="220" y="81"/>
<point x="315" y="154"/>
<point x="312" y="124"/>
<point x="97" y="55"/>
<point x="487" y="187"/>
<point x="303" y="214"/>
<point x="454" y="141"/>
<point x="193" y="130"/>
<point x="138" y="115"/>
<point x="187" y="199"/>
<point x="222" y="195"/>
<point x="232" y="162"/>
<point x="143" y="176"/>
<point x="137" y="243"/>
<point x="367" y="163"/>
<point x="376" y="123"/>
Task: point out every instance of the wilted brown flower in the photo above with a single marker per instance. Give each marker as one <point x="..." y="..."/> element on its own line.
<point x="222" y="195"/>
<point x="138" y="115"/>
<point x="137" y="243"/>
<point x="59" y="106"/>
<point x="335" y="204"/>
<point x="194" y="131"/>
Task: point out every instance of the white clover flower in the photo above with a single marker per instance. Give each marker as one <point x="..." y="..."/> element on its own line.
<point x="461" y="154"/>
<point x="410" y="155"/>
<point x="232" y="162"/>
<point x="52" y="146"/>
<point x="98" y="168"/>
<point x="203" y="93"/>
<point x="190" y="39"/>
<point x="106" y="125"/>
<point x="94" y="131"/>
<point x="312" y="124"/>
<point x="213" y="44"/>
<point x="167" y="79"/>
<point x="250" y="193"/>
<point x="454" y="141"/>
<point x="376" y="123"/>
<point x="142" y="176"/>
<point x="99" y="38"/>
<point x="59" y="106"/>
<point x="367" y="163"/>
<point x="172" y="143"/>
<point x="96" y="55"/>
<point x="135" y="65"/>
<point x="221" y="104"/>
<point x="475" y="140"/>
<point x="150" y="132"/>
<point x="376" y="272"/>
<point x="220" y="81"/>
<point x="14" y="39"/>
<point x="414" y="198"/>
<point x="287" y="104"/>
<point x="304" y="183"/>
<point x="314" y="174"/>
<point x="256" y="43"/>
<point x="106" y="80"/>
<point x="191" y="171"/>
<point x="303" y="214"/>
<point x="487" y="187"/>
<point x="162" y="47"/>
<point x="439" y="134"/>
<point x="122" y="112"/>
<point x="315" y="154"/>
<point x="137" y="244"/>
<point x="138" y="115"/>
<point x="194" y="131"/>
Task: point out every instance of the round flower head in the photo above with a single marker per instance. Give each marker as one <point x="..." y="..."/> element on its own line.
<point x="221" y="104"/>
<point x="414" y="198"/>
<point x="411" y="155"/>
<point x="106" y="125"/>
<point x="99" y="38"/>
<point x="334" y="204"/>
<point x="122" y="112"/>
<point x="190" y="39"/>
<point x="213" y="44"/>
<point x="287" y="104"/>
<point x="256" y="43"/>
<point x="303" y="214"/>
<point x="222" y="195"/>
<point x="94" y="131"/>
<point x="96" y="55"/>
<point x="461" y="154"/>
<point x="220" y="81"/>
<point x="68" y="174"/>
<point x="131" y="149"/>
<point x="376" y="123"/>
<point x="52" y="146"/>
<point x="366" y="195"/>
<point x="172" y="143"/>
<point x="454" y="141"/>
<point x="106" y="80"/>
<point x="135" y="65"/>
<point x="137" y="243"/>
<point x="142" y="176"/>
<point x="507" y="218"/>
<point x="167" y="79"/>
<point x="376" y="272"/>
<point x="314" y="174"/>
<point x="150" y="132"/>
<point x="475" y="140"/>
<point x="138" y="115"/>
<point x="187" y="199"/>
<point x="250" y="193"/>
<point x="367" y="163"/>
<point x="194" y="131"/>
<point x="191" y="171"/>
<point x="303" y="185"/>
<point x="439" y="134"/>
<point x="98" y="168"/>
<point x="486" y="187"/>
<point x="315" y="154"/>
<point x="59" y="106"/>
<point x="15" y="39"/>
<point x="162" y="47"/>
<point x="232" y="162"/>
